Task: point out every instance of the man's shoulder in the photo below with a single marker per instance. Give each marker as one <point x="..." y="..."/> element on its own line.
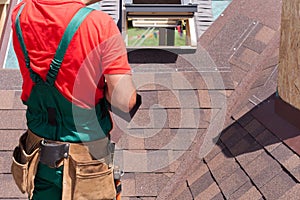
<point x="101" y="21"/>
<point x="100" y="15"/>
<point x="15" y="11"/>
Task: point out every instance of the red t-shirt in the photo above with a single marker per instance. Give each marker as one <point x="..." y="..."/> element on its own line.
<point x="97" y="48"/>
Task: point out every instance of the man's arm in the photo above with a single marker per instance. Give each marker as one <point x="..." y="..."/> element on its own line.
<point x="120" y="91"/>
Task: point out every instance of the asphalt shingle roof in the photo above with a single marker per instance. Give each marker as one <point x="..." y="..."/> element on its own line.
<point x="223" y="94"/>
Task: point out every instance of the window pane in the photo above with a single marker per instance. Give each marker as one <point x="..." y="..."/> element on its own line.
<point x="218" y="6"/>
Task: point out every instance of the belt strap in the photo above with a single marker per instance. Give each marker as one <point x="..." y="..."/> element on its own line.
<point x="54" y="151"/>
<point x="52" y="154"/>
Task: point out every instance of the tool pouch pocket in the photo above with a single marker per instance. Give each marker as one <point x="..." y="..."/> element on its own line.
<point x="91" y="179"/>
<point x="24" y="166"/>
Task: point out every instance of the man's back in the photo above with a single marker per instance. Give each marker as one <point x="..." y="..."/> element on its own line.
<point x="96" y="49"/>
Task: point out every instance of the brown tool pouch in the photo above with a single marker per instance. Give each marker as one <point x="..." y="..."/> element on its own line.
<point x="91" y="179"/>
<point x="88" y="171"/>
<point x="24" y="165"/>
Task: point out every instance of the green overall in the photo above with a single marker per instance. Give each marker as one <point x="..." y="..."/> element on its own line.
<point x="53" y="117"/>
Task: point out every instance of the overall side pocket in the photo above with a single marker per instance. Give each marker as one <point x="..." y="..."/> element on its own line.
<point x="21" y="165"/>
<point x="92" y="180"/>
<point x="19" y="170"/>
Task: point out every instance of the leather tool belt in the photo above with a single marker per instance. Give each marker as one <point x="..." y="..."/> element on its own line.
<point x="87" y="167"/>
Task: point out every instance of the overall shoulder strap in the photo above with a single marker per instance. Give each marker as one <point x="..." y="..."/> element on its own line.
<point x="34" y="76"/>
<point x="64" y="43"/>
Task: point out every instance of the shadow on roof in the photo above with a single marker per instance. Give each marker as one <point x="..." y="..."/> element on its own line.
<point x="270" y="123"/>
<point x="151" y="56"/>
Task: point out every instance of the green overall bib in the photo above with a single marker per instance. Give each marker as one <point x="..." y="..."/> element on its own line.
<point x="51" y="116"/>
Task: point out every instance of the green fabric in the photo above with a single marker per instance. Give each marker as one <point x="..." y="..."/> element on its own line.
<point x="74" y="124"/>
<point x="48" y="183"/>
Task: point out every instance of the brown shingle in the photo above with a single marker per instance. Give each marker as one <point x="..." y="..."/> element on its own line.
<point x="254" y="45"/>
<point x="250" y="154"/>
<point x="237" y="75"/>
<point x="291" y="193"/>
<point x="268" y="140"/>
<point x="8" y="188"/>
<point x="244" y="120"/>
<point x="233" y="182"/>
<point x="163" y="81"/>
<point x="18" y="121"/>
<point x="147" y="184"/>
<point x="242" y="109"/>
<point x="261" y="81"/>
<point x="282" y="153"/>
<point x="241" y="191"/>
<point x="157" y="138"/>
<point x="169" y="99"/>
<point x="7" y="99"/>
<point x="200" y="170"/>
<point x="238" y="63"/>
<point x="232" y="135"/>
<point x="188" y="80"/>
<point x="224" y="170"/>
<point x="160" y="118"/>
<point x="5" y="161"/>
<point x="248" y="56"/>
<point x="149" y="98"/>
<point x="182" y="190"/>
<point x="135" y="160"/>
<point x="294" y="143"/>
<point x="201" y="184"/>
<point x="9" y="139"/>
<point x="234" y="30"/>
<point x="211" y="192"/>
<point x="255" y="167"/>
<point x="288" y="159"/>
<point x="262" y="169"/>
<point x="10" y="79"/>
<point x="242" y="146"/>
<point x="265" y="34"/>
<point x="278" y="186"/>
<point x="188" y="99"/>
<point x="185" y="194"/>
<point x="128" y="184"/>
<point x="204" y="99"/>
<point x="215" y="151"/>
<point x="142" y="119"/>
<point x="251" y="194"/>
<point x="219" y="159"/>
<point x="128" y="141"/>
<point x="218" y="99"/>
<point x="254" y="127"/>
<point x="266" y="175"/>
<point x="158" y="160"/>
<point x="181" y="118"/>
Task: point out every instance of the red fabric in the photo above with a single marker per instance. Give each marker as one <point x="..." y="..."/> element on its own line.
<point x="97" y="48"/>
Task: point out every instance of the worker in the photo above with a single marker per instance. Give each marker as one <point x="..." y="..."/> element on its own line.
<point x="74" y="66"/>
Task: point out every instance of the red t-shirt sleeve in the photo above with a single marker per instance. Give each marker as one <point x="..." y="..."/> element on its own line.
<point x="113" y="52"/>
